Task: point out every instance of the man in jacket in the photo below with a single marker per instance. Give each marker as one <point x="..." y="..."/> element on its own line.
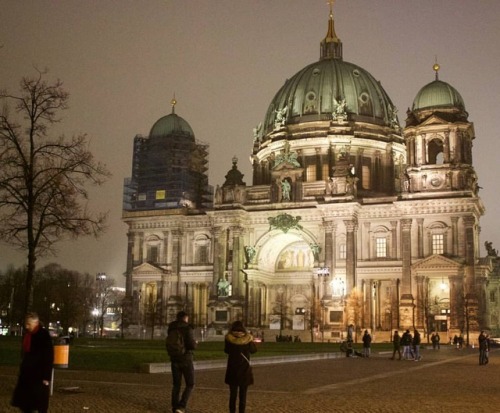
<point x="33" y="386"/>
<point x="182" y="365"/>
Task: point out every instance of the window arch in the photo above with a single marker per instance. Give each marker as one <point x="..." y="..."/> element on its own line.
<point x="202" y="249"/>
<point x="381" y="242"/>
<point x="435" y="152"/>
<point x="153" y="246"/>
<point x="437" y="238"/>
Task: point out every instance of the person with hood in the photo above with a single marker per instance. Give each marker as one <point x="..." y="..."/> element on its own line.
<point x="33" y="386"/>
<point x="367" y="340"/>
<point x="396" y="345"/>
<point x="182" y="363"/>
<point x="238" y="344"/>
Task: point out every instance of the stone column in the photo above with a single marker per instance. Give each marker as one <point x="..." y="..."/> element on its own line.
<point x="420" y="239"/>
<point x="351" y="226"/>
<point x="420" y="310"/>
<point x="457" y="321"/>
<point x="328" y="224"/>
<point x="406" y="256"/>
<point x="237" y="275"/>
<point x="454" y="235"/>
<point x="219" y="249"/>
<point x="176" y="259"/>
<point x="130" y="264"/>
<point x="394" y="240"/>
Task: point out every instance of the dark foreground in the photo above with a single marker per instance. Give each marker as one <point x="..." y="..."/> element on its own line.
<point x="447" y="380"/>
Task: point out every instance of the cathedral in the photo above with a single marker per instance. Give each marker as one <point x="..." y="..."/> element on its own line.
<point x="352" y="222"/>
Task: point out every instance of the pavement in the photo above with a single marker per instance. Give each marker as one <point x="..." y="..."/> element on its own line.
<point x="445" y="380"/>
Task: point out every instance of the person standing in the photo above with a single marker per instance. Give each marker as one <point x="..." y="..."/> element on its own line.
<point x="238" y="344"/>
<point x="367" y="340"/>
<point x="33" y="386"/>
<point x="396" y="345"/>
<point x="416" y="345"/>
<point x="181" y="361"/>
<point x="406" y="340"/>
<point x="483" y="348"/>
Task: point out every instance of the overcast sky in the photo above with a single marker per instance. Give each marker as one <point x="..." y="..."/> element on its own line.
<point x="122" y="61"/>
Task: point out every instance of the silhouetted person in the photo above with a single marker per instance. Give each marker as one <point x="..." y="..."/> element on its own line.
<point x="238" y="344"/>
<point x="33" y="386"/>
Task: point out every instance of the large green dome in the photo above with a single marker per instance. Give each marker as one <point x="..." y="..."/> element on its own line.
<point x="171" y="124"/>
<point x="438" y="95"/>
<point x="316" y="91"/>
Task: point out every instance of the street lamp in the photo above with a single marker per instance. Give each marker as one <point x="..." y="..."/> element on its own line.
<point x="95" y="313"/>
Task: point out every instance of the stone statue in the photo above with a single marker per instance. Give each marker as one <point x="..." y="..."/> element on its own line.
<point x="316" y="249"/>
<point x="492" y="252"/>
<point x="285" y="190"/>
<point x="339" y="109"/>
<point x="223" y="287"/>
<point x="250" y="253"/>
<point x="256" y="132"/>
<point x="280" y="119"/>
<point x="218" y="195"/>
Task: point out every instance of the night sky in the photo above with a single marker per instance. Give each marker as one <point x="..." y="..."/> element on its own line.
<point x="122" y="62"/>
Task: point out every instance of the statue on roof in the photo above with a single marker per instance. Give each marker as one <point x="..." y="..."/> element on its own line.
<point x="492" y="252"/>
<point x="280" y="118"/>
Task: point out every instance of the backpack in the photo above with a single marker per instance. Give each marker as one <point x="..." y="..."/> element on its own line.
<point x="175" y="343"/>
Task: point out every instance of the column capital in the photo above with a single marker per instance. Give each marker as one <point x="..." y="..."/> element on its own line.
<point x="351" y="224"/>
<point x="406" y="224"/>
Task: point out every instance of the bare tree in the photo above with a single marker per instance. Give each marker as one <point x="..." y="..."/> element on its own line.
<point x="43" y="178"/>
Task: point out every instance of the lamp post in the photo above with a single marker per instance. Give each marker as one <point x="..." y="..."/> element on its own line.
<point x="95" y="313"/>
<point x="100" y="298"/>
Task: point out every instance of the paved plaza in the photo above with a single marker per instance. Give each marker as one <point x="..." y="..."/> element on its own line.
<point x="446" y="380"/>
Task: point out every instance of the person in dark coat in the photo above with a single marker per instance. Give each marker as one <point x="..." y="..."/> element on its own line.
<point x="238" y="344"/>
<point x="182" y="365"/>
<point x="367" y="341"/>
<point x="33" y="386"/>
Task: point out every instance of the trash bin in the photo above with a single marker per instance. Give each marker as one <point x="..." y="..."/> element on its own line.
<point x="61" y="354"/>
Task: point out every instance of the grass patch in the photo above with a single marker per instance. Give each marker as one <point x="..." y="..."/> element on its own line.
<point x="127" y="355"/>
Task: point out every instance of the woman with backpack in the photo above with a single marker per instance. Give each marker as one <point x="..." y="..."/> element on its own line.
<point x="238" y="344"/>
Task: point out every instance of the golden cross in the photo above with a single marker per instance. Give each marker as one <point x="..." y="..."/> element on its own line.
<point x="331" y="3"/>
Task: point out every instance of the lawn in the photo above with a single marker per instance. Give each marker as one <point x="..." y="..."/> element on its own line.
<point x="128" y="355"/>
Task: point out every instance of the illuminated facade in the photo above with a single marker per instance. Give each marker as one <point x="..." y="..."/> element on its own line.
<point x="351" y="219"/>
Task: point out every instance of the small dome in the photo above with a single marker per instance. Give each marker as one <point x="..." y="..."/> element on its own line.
<point x="438" y="95"/>
<point x="171" y="124"/>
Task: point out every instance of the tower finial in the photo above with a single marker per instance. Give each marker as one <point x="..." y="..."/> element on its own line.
<point x="436" y="67"/>
<point x="331" y="46"/>
<point x="173" y="102"/>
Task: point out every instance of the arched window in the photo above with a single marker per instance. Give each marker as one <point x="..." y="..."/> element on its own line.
<point x="153" y="249"/>
<point x="202" y="249"/>
<point x="435" y="152"/>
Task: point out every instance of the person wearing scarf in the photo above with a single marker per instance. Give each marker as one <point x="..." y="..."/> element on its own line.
<point x="33" y="386"/>
<point x="238" y="344"/>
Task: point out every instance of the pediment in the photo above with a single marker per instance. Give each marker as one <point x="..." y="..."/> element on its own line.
<point x="148" y="269"/>
<point x="437" y="262"/>
<point x="433" y="120"/>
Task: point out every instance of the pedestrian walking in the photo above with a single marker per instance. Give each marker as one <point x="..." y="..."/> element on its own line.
<point x="32" y="391"/>
<point x="367" y="341"/>
<point x="396" y="345"/>
<point x="416" y="345"/>
<point x="180" y="347"/>
<point x="406" y="340"/>
<point x="238" y="345"/>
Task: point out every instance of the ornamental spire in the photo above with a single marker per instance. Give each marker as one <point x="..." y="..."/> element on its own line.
<point x="173" y="102"/>
<point x="436" y="68"/>
<point x="331" y="46"/>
